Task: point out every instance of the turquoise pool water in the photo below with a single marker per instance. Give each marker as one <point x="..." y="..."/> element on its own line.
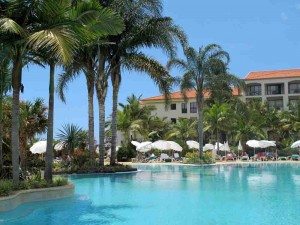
<point x="171" y="195"/>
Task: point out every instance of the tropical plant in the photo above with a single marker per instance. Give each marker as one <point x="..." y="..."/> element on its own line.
<point x="144" y="27"/>
<point x="33" y="121"/>
<point x="249" y="121"/>
<point x="218" y="118"/>
<point x="198" y="68"/>
<point x="182" y="131"/>
<point x="72" y="137"/>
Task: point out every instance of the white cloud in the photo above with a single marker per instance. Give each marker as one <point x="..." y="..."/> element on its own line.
<point x="283" y="16"/>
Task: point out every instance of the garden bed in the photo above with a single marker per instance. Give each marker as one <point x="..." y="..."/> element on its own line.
<point x="106" y="169"/>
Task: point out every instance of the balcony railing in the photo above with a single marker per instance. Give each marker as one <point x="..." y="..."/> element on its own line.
<point x="253" y="93"/>
<point x="294" y="91"/>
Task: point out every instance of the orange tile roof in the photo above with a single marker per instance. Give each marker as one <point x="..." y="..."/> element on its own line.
<point x="189" y="94"/>
<point x="273" y="74"/>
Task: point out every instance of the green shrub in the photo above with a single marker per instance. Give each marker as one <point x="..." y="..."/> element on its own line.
<point x="60" y="181"/>
<point x="208" y="157"/>
<point x="80" y="157"/>
<point x="6" y="187"/>
<point x="125" y="153"/>
<point x="192" y="158"/>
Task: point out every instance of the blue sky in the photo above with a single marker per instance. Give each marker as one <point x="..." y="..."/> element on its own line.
<point x="258" y="34"/>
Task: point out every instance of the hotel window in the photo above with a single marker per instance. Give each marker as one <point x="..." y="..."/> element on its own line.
<point x="193" y="107"/>
<point x="173" y="120"/>
<point x="294" y="88"/>
<point x="275" y="89"/>
<point x="276" y="104"/>
<point x="183" y="107"/>
<point x="254" y="90"/>
<point x="173" y="106"/>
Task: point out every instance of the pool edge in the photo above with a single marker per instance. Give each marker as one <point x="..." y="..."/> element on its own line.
<point x="33" y="195"/>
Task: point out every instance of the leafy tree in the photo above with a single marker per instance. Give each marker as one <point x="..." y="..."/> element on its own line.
<point x="33" y="121"/>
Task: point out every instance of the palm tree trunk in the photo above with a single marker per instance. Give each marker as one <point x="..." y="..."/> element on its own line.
<point x="91" y="131"/>
<point x="200" y="104"/>
<point x="15" y="142"/>
<point x="116" y="86"/>
<point x="101" y="87"/>
<point x="101" y="131"/>
<point x="1" y="133"/>
<point x="49" y="150"/>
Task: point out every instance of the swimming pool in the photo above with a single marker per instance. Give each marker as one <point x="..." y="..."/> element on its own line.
<point x="171" y="195"/>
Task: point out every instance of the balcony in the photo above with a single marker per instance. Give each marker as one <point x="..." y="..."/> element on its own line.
<point x="294" y="88"/>
<point x="275" y="103"/>
<point x="253" y="90"/>
<point x="274" y="89"/>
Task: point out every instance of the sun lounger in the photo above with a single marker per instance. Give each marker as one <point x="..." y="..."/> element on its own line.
<point x="177" y="157"/>
<point x="229" y="157"/>
<point x="245" y="158"/>
<point x="165" y="158"/>
<point x="295" y="157"/>
<point x="282" y="158"/>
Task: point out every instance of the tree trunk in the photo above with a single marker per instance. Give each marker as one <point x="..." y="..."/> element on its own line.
<point x="91" y="132"/>
<point x="49" y="149"/>
<point x="15" y="142"/>
<point x="101" y="131"/>
<point x="200" y="122"/>
<point x="116" y="86"/>
<point x="101" y="87"/>
<point x="1" y="133"/>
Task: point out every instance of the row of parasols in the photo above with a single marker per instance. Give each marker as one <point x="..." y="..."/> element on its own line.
<point x="143" y="147"/>
<point x="163" y="145"/>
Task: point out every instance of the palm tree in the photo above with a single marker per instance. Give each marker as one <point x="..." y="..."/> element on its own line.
<point x="144" y="27"/>
<point x="5" y="85"/>
<point x="217" y="118"/>
<point x="23" y="29"/>
<point x="86" y="59"/>
<point x="249" y="121"/>
<point x="184" y="130"/>
<point x="198" y="68"/>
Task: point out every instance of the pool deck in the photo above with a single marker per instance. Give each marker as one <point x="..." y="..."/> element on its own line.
<point x="217" y="163"/>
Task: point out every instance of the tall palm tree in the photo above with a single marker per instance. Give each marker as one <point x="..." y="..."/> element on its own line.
<point x="86" y="58"/>
<point x="197" y="68"/>
<point x="5" y="85"/>
<point x="22" y="29"/>
<point x="144" y="27"/>
<point x="74" y="24"/>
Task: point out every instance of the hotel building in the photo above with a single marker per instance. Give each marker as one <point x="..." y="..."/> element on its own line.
<point x="279" y="88"/>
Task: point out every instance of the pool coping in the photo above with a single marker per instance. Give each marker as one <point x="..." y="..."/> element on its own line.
<point x="217" y="163"/>
<point x="33" y="195"/>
